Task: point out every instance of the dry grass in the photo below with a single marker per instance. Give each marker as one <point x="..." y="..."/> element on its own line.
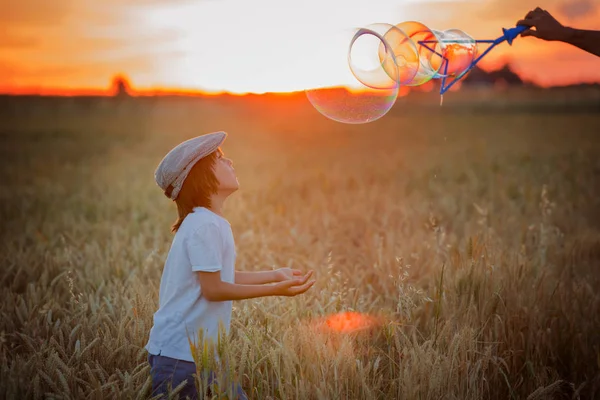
<point x="473" y="239"/>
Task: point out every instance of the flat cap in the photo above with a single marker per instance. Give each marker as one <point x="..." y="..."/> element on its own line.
<point x="176" y="165"/>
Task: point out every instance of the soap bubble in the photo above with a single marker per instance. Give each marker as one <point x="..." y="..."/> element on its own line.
<point x="370" y="58"/>
<point x="358" y="102"/>
<point x="428" y="47"/>
<point x="459" y="49"/>
<point x="405" y="53"/>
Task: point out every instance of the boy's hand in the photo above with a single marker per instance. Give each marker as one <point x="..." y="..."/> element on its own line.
<point x="284" y="274"/>
<point x="295" y="286"/>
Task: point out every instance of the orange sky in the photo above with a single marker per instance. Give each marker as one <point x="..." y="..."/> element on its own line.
<point x="252" y="45"/>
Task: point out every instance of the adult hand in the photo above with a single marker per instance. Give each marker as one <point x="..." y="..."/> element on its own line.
<point x="546" y="26"/>
<point x="294" y="287"/>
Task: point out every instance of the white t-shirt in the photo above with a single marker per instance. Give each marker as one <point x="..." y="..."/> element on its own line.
<point x="203" y="242"/>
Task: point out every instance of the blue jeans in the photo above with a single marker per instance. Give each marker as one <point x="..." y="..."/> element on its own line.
<point x="168" y="373"/>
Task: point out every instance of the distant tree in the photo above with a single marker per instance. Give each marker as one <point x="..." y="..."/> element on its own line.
<point x="503" y="76"/>
<point x="507" y="75"/>
<point x="121" y="86"/>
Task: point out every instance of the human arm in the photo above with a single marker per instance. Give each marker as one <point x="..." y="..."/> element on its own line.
<point x="205" y="252"/>
<point x="548" y="28"/>
<point x="584" y="39"/>
<point x="262" y="277"/>
<point x="214" y="289"/>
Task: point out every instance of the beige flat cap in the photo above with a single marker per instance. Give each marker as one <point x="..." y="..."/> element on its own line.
<point x="175" y="167"/>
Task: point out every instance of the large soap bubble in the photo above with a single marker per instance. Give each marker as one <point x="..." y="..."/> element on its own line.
<point x="429" y="49"/>
<point x="368" y="98"/>
<point x="382" y="70"/>
<point x="405" y="52"/>
<point x="371" y="59"/>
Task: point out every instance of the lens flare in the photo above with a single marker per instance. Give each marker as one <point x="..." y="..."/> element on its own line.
<point x="348" y="322"/>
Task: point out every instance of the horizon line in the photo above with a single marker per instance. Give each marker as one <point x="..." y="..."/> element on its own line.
<point x="132" y="91"/>
<point x="164" y="92"/>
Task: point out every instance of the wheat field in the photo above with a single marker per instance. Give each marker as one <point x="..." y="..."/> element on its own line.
<point x="466" y="239"/>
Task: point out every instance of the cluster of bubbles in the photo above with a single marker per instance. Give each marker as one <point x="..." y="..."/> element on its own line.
<point x="382" y="58"/>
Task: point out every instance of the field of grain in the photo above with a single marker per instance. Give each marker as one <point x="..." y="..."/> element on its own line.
<point x="470" y="236"/>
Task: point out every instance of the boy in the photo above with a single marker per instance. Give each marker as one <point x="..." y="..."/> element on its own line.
<point x="199" y="280"/>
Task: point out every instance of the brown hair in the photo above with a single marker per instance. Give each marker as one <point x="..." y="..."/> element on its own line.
<point x="197" y="188"/>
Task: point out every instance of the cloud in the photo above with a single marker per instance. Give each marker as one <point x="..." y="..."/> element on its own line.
<point x="71" y="17"/>
<point x="86" y="72"/>
<point x="12" y="41"/>
<point x="511" y="10"/>
<point x="36" y="12"/>
<point x="570" y="10"/>
<point x="71" y="43"/>
<point x="71" y="32"/>
<point x="577" y="9"/>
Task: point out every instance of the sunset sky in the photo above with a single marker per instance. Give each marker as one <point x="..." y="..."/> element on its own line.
<point x="252" y="45"/>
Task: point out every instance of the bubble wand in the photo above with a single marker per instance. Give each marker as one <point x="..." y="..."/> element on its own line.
<point x="405" y="54"/>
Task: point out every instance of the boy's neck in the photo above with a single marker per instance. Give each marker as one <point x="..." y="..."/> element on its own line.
<point x="216" y="203"/>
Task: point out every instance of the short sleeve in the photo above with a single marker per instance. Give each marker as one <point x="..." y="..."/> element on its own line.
<point x="204" y="249"/>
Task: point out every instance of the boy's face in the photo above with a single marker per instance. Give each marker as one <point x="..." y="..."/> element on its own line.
<point x="225" y="173"/>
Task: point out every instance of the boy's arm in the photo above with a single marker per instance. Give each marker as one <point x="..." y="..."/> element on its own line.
<point x="255" y="277"/>
<point x="262" y="277"/>
<point x="214" y="289"/>
<point x="205" y="255"/>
